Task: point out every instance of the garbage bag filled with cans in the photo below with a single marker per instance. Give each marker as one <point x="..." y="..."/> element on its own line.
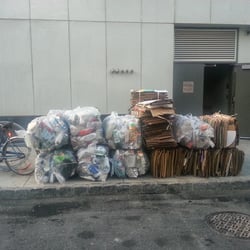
<point x="93" y="162"/>
<point x="58" y="165"/>
<point x="47" y="133"/>
<point x="85" y="126"/>
<point x="129" y="163"/>
<point x="192" y="132"/>
<point x="122" y="132"/>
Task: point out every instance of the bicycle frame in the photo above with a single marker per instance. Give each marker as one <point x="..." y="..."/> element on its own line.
<point x="6" y="132"/>
<point x="10" y="154"/>
<point x="14" y="152"/>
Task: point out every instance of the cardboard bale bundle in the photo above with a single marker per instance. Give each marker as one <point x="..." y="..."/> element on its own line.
<point x="153" y="108"/>
<point x="142" y="95"/>
<point x="226" y="131"/>
<point x="203" y="162"/>
<point x="167" y="162"/>
<point x="157" y="132"/>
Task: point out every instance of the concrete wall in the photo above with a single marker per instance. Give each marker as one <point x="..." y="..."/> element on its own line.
<point x="61" y="53"/>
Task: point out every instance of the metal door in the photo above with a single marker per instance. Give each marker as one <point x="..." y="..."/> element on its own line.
<point x="188" y="88"/>
<point x="242" y="100"/>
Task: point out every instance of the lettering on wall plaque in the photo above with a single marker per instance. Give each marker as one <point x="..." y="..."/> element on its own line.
<point x="188" y="87"/>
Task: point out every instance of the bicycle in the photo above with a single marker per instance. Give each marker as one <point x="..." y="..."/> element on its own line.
<point x="13" y="150"/>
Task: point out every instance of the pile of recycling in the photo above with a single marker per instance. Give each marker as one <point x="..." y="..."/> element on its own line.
<point x="152" y="137"/>
<point x="180" y="145"/>
<point x="78" y="142"/>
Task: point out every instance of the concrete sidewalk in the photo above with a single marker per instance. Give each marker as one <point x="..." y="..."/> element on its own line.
<point x="13" y="186"/>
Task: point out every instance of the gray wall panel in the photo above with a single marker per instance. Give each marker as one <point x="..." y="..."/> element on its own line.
<point x="123" y="10"/>
<point x="49" y="9"/>
<point x="50" y="45"/>
<point x="88" y="64"/>
<point x="157" y="56"/>
<point x="16" y="95"/>
<point x="230" y="12"/>
<point x="86" y="10"/>
<point x="14" y="9"/>
<point x="192" y="11"/>
<point x="159" y="11"/>
<point x="123" y="52"/>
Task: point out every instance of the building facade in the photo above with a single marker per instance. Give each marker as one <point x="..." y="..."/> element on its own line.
<point x="60" y="54"/>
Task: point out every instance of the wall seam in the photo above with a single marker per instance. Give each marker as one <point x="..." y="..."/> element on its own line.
<point x="210" y="11"/>
<point x="141" y="45"/>
<point x="70" y="68"/>
<point x="31" y="61"/>
<point x="106" y="57"/>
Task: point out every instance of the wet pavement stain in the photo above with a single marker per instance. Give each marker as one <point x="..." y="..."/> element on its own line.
<point x="129" y="243"/>
<point x="161" y="242"/>
<point x="58" y="222"/>
<point x="186" y="237"/>
<point x="46" y="210"/>
<point x="19" y="221"/>
<point x="209" y="242"/>
<point x="133" y="218"/>
<point x="94" y="217"/>
<point x="86" y="235"/>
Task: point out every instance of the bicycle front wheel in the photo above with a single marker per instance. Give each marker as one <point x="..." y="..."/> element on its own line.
<point x="18" y="157"/>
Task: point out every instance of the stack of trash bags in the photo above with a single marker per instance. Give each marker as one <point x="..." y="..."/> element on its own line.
<point x="123" y="135"/>
<point x="71" y="142"/>
<point x="49" y="136"/>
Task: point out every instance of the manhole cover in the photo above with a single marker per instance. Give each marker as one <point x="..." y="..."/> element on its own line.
<point x="230" y="224"/>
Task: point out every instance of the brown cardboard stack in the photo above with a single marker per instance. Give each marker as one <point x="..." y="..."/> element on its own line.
<point x="226" y="129"/>
<point x="157" y="132"/>
<point x="203" y="162"/>
<point x="154" y="109"/>
<point x="147" y="95"/>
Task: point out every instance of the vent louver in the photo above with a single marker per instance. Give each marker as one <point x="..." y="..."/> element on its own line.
<point x="204" y="45"/>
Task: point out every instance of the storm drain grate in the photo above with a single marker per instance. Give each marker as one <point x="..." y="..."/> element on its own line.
<point x="230" y="224"/>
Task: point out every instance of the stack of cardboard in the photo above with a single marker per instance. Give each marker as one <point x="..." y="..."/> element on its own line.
<point x="226" y="130"/>
<point x="153" y="108"/>
<point x="155" y="116"/>
<point x="157" y="132"/>
<point x="147" y="95"/>
<point x="203" y="163"/>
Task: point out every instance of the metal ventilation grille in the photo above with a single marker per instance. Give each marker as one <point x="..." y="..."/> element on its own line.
<point x="205" y="45"/>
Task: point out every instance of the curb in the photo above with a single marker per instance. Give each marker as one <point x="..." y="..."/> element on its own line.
<point x="152" y="186"/>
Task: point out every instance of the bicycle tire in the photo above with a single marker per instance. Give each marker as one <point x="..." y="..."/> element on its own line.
<point x="18" y="157"/>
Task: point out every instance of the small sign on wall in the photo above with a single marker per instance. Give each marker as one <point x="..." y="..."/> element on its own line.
<point x="188" y="87"/>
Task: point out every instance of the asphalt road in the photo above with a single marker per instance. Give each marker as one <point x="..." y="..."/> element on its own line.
<point x="120" y="222"/>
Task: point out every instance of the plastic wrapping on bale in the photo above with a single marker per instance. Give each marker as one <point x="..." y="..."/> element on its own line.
<point x="58" y="165"/>
<point x="192" y="132"/>
<point x="129" y="163"/>
<point x="47" y="133"/>
<point x="122" y="132"/>
<point x="93" y="163"/>
<point x="85" y="126"/>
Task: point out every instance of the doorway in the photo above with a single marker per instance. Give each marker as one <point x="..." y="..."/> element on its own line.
<point x="218" y="91"/>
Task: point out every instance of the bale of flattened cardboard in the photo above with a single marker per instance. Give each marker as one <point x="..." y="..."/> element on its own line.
<point x="181" y="161"/>
<point x="142" y="95"/>
<point x="155" y="110"/>
<point x="226" y="129"/>
<point x="157" y="132"/>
